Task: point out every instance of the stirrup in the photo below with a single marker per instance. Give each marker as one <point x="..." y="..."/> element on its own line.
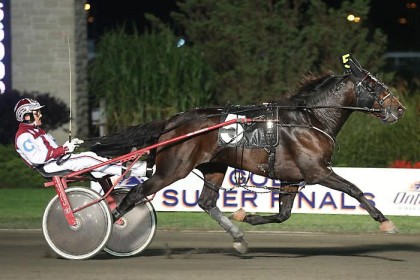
<point x="139" y="169"/>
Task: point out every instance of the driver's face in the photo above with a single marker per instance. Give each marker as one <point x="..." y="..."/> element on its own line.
<point x="37" y="116"/>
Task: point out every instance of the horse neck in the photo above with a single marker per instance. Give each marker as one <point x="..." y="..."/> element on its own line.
<point x="341" y="95"/>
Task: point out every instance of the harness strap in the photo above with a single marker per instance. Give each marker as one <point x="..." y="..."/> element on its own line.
<point x="272" y="139"/>
<point x="320" y="130"/>
<point x="271" y="163"/>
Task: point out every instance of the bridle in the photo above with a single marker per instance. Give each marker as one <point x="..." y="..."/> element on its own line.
<point x="366" y="94"/>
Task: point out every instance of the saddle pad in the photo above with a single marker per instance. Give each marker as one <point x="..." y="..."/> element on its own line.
<point x="249" y="135"/>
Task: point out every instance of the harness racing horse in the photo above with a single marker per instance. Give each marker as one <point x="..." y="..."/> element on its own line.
<point x="300" y="151"/>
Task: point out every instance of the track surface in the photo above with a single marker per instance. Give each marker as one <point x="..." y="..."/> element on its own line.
<point x="209" y="255"/>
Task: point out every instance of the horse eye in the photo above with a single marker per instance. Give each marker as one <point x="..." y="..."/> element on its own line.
<point x="371" y="87"/>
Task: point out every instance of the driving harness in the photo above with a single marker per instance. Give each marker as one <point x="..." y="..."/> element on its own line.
<point x="262" y="133"/>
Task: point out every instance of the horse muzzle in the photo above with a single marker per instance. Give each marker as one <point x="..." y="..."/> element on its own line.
<point x="391" y="114"/>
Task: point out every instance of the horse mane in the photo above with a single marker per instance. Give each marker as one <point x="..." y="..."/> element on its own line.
<point x="312" y="88"/>
<point x="310" y="81"/>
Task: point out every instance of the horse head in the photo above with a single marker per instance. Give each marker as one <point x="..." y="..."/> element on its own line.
<point x="372" y="93"/>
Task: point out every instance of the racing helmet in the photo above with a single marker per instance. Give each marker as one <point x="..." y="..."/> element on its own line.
<point x="26" y="106"/>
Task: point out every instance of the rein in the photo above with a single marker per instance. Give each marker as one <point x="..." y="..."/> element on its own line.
<point x="285" y="107"/>
<point x="364" y="109"/>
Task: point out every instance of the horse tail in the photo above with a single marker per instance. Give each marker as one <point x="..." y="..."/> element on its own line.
<point x="123" y="141"/>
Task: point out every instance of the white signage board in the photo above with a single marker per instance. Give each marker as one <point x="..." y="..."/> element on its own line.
<point x="394" y="191"/>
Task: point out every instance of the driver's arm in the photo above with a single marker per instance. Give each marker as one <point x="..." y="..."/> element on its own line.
<point x="37" y="150"/>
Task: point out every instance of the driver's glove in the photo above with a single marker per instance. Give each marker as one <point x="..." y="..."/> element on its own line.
<point x="69" y="146"/>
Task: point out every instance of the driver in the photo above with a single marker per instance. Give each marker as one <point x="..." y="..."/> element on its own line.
<point x="39" y="150"/>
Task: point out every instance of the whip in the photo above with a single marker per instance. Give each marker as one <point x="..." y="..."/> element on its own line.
<point x="70" y="88"/>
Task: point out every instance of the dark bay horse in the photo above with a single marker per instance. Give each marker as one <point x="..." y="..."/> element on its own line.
<point x="291" y="140"/>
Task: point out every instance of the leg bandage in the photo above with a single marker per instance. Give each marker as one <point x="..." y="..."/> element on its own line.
<point x="227" y="224"/>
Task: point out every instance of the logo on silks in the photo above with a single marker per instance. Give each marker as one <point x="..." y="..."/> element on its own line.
<point x="28" y="145"/>
<point x="233" y="133"/>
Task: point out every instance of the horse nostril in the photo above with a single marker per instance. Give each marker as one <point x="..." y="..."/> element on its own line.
<point x="400" y="111"/>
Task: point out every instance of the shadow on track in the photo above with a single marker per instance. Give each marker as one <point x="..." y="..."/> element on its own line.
<point x="365" y="251"/>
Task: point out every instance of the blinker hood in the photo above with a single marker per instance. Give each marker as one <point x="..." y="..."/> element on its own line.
<point x="352" y="65"/>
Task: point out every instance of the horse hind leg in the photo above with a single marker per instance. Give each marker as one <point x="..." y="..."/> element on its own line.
<point x="134" y="196"/>
<point x="207" y="202"/>
<point x="138" y="193"/>
<point x="285" y="210"/>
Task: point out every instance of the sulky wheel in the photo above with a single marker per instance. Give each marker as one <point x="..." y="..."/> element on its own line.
<point x="134" y="232"/>
<point x="92" y="231"/>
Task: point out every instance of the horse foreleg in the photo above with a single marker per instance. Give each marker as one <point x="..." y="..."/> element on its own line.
<point x="207" y="202"/>
<point x="285" y="211"/>
<point x="338" y="183"/>
<point x="239" y="243"/>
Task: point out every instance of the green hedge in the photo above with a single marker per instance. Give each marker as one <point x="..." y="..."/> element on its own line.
<point x="146" y="77"/>
<point x="15" y="173"/>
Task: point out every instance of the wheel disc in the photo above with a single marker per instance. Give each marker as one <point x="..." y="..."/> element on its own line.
<point x="135" y="231"/>
<point x="92" y="229"/>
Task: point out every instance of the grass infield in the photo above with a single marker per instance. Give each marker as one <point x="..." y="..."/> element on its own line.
<point x="23" y="209"/>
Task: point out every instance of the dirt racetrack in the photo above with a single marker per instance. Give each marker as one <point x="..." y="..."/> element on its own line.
<point x="209" y="255"/>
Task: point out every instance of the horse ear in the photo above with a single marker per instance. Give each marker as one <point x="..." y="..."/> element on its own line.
<point x="352" y="65"/>
<point x="356" y="62"/>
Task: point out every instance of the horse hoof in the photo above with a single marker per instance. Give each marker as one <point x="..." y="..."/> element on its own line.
<point x="388" y="227"/>
<point x="238" y="215"/>
<point x="241" y="247"/>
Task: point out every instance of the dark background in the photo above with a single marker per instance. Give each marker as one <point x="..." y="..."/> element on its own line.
<point x="110" y="13"/>
<point x="384" y="14"/>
